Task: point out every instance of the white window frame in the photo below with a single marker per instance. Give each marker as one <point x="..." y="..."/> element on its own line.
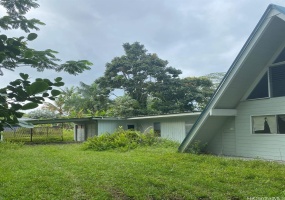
<point x="265" y="115"/>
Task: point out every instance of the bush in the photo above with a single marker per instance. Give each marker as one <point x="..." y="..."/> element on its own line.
<point x="124" y="140"/>
<point x="197" y="148"/>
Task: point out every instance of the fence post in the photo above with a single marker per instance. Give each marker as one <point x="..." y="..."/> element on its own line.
<point x="31" y="131"/>
<point x="61" y="131"/>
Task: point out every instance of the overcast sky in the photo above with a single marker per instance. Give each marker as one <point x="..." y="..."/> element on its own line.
<point x="197" y="36"/>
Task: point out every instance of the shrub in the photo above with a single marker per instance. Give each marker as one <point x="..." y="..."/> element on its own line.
<point x="197" y="148"/>
<point x="124" y="140"/>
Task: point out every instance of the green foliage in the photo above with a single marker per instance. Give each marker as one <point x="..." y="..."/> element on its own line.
<point x="92" y="98"/>
<point x="135" y="72"/>
<point x="74" y="67"/>
<point x="22" y="94"/>
<point x="14" y="51"/>
<point x="123" y="106"/>
<point x="124" y="140"/>
<point x="85" y="100"/>
<point x="41" y="114"/>
<point x="181" y="95"/>
<point x="155" y="87"/>
<point x="216" y="78"/>
<point x="15" y="18"/>
<point x="197" y="148"/>
<point x="70" y="102"/>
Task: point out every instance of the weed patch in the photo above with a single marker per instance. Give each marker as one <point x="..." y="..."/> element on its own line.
<point x="125" y="140"/>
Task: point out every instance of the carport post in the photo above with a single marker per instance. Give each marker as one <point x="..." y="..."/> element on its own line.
<point x="31" y="131"/>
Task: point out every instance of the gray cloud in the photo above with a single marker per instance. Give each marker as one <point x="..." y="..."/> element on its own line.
<point x="197" y="36"/>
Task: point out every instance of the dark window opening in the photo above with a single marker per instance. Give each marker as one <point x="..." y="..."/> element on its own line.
<point x="281" y="124"/>
<point x="261" y="89"/>
<point x="281" y="57"/>
<point x="132" y="127"/>
<point x="156" y="129"/>
<point x="277" y="81"/>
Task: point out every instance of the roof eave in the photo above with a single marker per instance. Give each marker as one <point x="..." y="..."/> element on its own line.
<point x="200" y="121"/>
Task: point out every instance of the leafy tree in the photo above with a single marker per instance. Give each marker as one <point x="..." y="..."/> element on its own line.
<point x="135" y="72"/>
<point x="83" y="100"/>
<point x="56" y="106"/>
<point x="14" y="51"/>
<point x="181" y="95"/>
<point x="41" y="114"/>
<point x="123" y="106"/>
<point x="216" y="78"/>
<point x="93" y="98"/>
<point x="68" y="101"/>
<point x="72" y="100"/>
<point x="23" y="94"/>
<point x="200" y="91"/>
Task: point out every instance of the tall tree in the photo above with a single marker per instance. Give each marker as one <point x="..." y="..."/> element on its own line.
<point x="123" y="106"/>
<point x="56" y="106"/>
<point x="181" y="95"/>
<point x="22" y="94"/>
<point x="72" y="100"/>
<point x="93" y="98"/>
<point x="135" y="72"/>
<point x="41" y="114"/>
<point x="216" y="78"/>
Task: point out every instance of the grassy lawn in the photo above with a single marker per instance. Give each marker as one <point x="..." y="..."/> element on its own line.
<point x="68" y="172"/>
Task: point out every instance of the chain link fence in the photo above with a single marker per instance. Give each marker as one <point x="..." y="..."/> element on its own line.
<point x="36" y="134"/>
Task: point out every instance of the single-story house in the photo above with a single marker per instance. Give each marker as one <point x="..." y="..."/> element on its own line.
<point x="246" y="115"/>
<point x="169" y="126"/>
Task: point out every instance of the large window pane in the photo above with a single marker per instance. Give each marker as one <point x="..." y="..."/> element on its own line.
<point x="281" y="57"/>
<point x="264" y="124"/>
<point x="281" y="123"/>
<point x="277" y="81"/>
<point x="261" y="89"/>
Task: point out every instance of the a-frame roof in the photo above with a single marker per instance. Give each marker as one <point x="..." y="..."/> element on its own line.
<point x="262" y="46"/>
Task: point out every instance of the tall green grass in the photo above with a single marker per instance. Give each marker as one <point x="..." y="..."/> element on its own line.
<point x="68" y="172"/>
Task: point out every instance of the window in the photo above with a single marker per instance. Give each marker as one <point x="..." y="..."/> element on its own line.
<point x="277" y="81"/>
<point x="261" y="89"/>
<point x="132" y="127"/>
<point x="268" y="124"/>
<point x="156" y="129"/>
<point x="281" y="124"/>
<point x="281" y="57"/>
<point x="274" y="79"/>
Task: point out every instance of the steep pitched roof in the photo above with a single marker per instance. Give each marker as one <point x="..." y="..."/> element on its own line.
<point x="267" y="38"/>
